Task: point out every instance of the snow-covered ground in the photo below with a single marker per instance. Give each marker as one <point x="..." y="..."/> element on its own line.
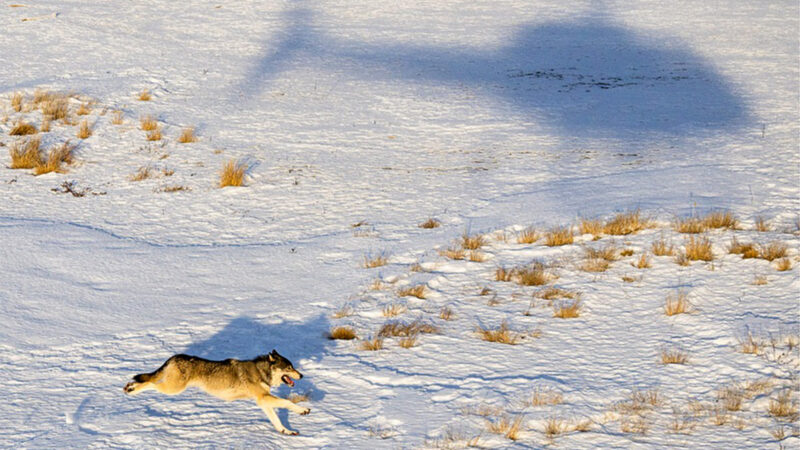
<point x="488" y="116"/>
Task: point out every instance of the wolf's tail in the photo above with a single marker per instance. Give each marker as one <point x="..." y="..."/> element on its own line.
<point x="153" y="376"/>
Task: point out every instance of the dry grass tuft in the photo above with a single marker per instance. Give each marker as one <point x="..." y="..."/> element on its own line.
<point x="590" y="226"/>
<point x="503" y="274"/>
<point x="626" y="223"/>
<point x="472" y="242"/>
<point x="661" y="247"/>
<point x="344" y="311"/>
<point x="677" y="303"/>
<point x="681" y="259"/>
<point x="399" y="328"/>
<point x="721" y="219"/>
<point x="639" y="402"/>
<point x="25" y="153"/>
<point x="154" y="135"/>
<point x="83" y="110"/>
<point x="22" y="129"/>
<point x="453" y="253"/>
<point x="143" y="173"/>
<point x="634" y="424"/>
<point x="554" y="426"/>
<point x="506" y="426"/>
<point x="148" y="123"/>
<point x="83" y="130"/>
<point x="692" y="225"/>
<point x="643" y="262"/>
<point x="16" y="101"/>
<point x="417" y="291"/>
<point x="56" y="108"/>
<point x="476" y="256"/>
<point x="783" y="264"/>
<point x="730" y="398"/>
<point x="446" y="313"/>
<point x="595" y="265"/>
<point x="760" y="280"/>
<point x="762" y="224"/>
<point x="533" y="275"/>
<point x="746" y="250"/>
<point x="371" y="344"/>
<point x="527" y="236"/>
<point x="501" y="334"/>
<point x="187" y="136"/>
<point x="674" y="356"/>
<point x="627" y="252"/>
<point x="430" y="223"/>
<point x="342" y="333"/>
<point x="783" y="406"/>
<point x="559" y="236"/>
<point x="56" y="156"/>
<point x="407" y="342"/>
<point x="698" y="249"/>
<point x="772" y="251"/>
<point x="607" y="253"/>
<point x="751" y="345"/>
<point x="568" y="309"/>
<point x="394" y="309"/>
<point x="375" y="261"/>
<point x="232" y="173"/>
<point x="145" y="96"/>
<point x="117" y="118"/>
<point x="552" y="293"/>
<point x="545" y="397"/>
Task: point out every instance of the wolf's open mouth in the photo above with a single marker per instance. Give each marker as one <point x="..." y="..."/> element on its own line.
<point x="286" y="379"/>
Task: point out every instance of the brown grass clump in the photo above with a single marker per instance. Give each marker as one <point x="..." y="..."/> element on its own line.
<point x="607" y="253"/>
<point x="503" y="274"/>
<point x="746" y="250"/>
<point x="567" y="309"/>
<point x="674" y="356"/>
<point x="56" y="108"/>
<point x="691" y="225"/>
<point x="342" y="333"/>
<point x="527" y="236"/>
<point x="634" y="424"/>
<point x="730" y="398"/>
<point x="476" y="256"/>
<point x="533" y="275"/>
<point x="16" y="101"/>
<point x="187" y="136"/>
<point x="677" y="303"/>
<point x="553" y="427"/>
<point x="148" y="123"/>
<point x="502" y="334"/>
<point x="430" y="223"/>
<point x="154" y="135"/>
<point x="626" y="223"/>
<point x="552" y="293"/>
<point x="375" y="261"/>
<point x="344" y="311"/>
<point x="783" y="406"/>
<point x="643" y="262"/>
<point x="595" y="265"/>
<point x="83" y="110"/>
<point x="545" y="397"/>
<point x="399" y="328"/>
<point x="22" y="129"/>
<point x="117" y="117"/>
<point x="56" y="156"/>
<point x="783" y="264"/>
<point x="682" y="260"/>
<point x="25" y="153"/>
<point x="559" y="236"/>
<point x="472" y="242"/>
<point x="145" y="95"/>
<point x="83" y="130"/>
<point x="45" y="127"/>
<point x="407" y="342"/>
<point x="759" y="280"/>
<point x="721" y="219"/>
<point x="662" y="248"/>
<point x="762" y="224"/>
<point x="627" y="252"/>
<point x="417" y="291"/>
<point x="590" y="226"/>
<point x="232" y="173"/>
<point x="456" y="253"/>
<point x="772" y="251"/>
<point x="446" y="313"/>
<point x="751" y="345"/>
<point x="394" y="309"/>
<point x="506" y="426"/>
<point x="143" y="173"/>
<point x="698" y="249"/>
<point x="371" y="344"/>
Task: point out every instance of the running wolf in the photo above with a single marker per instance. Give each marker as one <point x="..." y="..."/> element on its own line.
<point x="229" y="380"/>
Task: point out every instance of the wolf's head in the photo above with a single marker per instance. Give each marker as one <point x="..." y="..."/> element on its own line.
<point x="281" y="369"/>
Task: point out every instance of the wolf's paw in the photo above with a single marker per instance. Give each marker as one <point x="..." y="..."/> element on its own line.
<point x="289" y="432"/>
<point x="304" y="411"/>
<point x="129" y="388"/>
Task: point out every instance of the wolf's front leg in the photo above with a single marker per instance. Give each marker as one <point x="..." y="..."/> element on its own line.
<point x="266" y="404"/>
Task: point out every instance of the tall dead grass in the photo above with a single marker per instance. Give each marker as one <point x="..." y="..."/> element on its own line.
<point x="677" y="303"/>
<point x="626" y="223"/>
<point x="501" y="334"/>
<point x="55" y="157"/>
<point x="559" y="236"/>
<point x="698" y="249"/>
<point x="187" y="136"/>
<point x="232" y="173"/>
<point x="25" y="153"/>
<point x="22" y="129"/>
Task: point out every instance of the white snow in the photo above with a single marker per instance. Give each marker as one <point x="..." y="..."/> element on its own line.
<point x="490" y="116"/>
